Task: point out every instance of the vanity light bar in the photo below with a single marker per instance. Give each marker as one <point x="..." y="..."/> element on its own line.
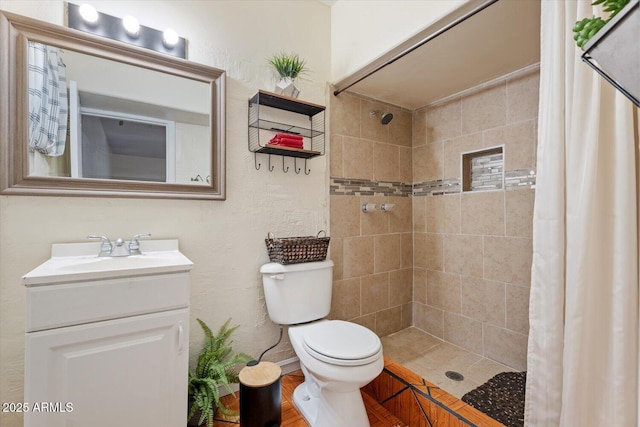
<point x="89" y="14"/>
<point x="170" y="37"/>
<point x="126" y="30"/>
<point x="131" y="26"/>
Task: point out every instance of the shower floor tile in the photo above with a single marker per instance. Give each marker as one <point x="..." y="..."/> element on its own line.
<point x="431" y="358"/>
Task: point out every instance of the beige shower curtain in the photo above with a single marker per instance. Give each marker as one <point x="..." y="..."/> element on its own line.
<point x="583" y="339"/>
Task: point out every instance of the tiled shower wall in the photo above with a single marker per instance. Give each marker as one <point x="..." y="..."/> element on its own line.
<point x="473" y="250"/>
<point x="456" y="265"/>
<point x="372" y="252"/>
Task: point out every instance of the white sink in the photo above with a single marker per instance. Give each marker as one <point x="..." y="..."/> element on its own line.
<point x="79" y="261"/>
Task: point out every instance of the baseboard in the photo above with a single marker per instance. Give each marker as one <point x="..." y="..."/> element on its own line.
<point x="289" y="365"/>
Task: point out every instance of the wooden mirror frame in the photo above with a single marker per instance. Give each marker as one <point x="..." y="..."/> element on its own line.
<point x="15" y="32"/>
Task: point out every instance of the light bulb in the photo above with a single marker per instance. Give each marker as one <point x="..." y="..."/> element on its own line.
<point x="89" y="13"/>
<point x="131" y="26"/>
<point x="170" y="37"/>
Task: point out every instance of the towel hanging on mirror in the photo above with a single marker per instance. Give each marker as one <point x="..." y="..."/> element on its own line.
<point x="48" y="102"/>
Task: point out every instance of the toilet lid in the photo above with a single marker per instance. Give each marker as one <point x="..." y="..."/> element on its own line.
<point x="338" y="339"/>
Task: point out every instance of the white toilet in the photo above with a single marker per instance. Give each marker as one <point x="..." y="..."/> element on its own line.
<point x="337" y="357"/>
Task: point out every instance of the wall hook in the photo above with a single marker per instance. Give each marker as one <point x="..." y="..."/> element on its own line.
<point x="255" y="161"/>
<point x="296" y="169"/>
<point x="270" y="167"/>
<point x="287" y="169"/>
<point x="305" y="168"/>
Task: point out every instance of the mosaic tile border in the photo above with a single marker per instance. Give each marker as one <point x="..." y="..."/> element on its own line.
<point x="437" y="187"/>
<point x="365" y="187"/>
<point x="516" y="179"/>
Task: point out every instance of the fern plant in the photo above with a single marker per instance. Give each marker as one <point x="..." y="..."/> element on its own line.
<point x="288" y="64"/>
<point x="215" y="368"/>
<point x="588" y="27"/>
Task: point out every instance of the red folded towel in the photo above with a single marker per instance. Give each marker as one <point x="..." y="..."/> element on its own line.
<point x="288" y="135"/>
<point x="290" y="141"/>
<point x="287" y="144"/>
<point x="286" y="141"/>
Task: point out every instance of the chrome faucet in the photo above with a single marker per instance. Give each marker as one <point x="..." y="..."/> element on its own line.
<point x="119" y="250"/>
<point x="106" y="247"/>
<point x="134" y="244"/>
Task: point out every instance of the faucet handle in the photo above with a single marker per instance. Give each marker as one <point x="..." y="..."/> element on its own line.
<point x="134" y="244"/>
<point x="106" y="247"/>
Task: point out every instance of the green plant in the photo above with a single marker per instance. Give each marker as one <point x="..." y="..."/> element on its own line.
<point x="588" y="27"/>
<point x="288" y="64"/>
<point x="215" y="368"/>
<point x="198" y="178"/>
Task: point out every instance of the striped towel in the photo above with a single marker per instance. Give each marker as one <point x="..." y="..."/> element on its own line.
<point x="48" y="103"/>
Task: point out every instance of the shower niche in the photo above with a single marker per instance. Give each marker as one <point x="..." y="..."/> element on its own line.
<point x="271" y="114"/>
<point x="483" y="170"/>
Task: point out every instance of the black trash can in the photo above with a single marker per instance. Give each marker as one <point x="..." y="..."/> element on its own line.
<point x="260" y="395"/>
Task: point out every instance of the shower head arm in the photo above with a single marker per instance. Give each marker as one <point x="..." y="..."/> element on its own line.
<point x="385" y="118"/>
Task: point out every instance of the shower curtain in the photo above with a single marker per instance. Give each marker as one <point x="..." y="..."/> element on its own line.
<point x="583" y="339"/>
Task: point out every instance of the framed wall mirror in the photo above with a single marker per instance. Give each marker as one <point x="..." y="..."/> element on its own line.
<point x="83" y="115"/>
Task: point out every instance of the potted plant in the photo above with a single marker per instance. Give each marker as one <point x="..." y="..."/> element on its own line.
<point x="215" y="368"/>
<point x="288" y="66"/>
<point x="610" y="45"/>
<point x="585" y="29"/>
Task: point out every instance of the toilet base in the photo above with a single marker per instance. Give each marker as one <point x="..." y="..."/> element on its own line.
<point x="331" y="409"/>
<point x="307" y="405"/>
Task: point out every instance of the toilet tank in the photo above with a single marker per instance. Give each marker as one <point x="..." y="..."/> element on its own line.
<point x="297" y="293"/>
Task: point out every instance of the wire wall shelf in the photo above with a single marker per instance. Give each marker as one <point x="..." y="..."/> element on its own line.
<point x="271" y="114"/>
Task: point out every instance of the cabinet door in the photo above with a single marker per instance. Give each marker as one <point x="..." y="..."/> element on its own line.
<point x="123" y="372"/>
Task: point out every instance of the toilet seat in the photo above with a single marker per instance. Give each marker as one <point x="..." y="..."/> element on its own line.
<point x="342" y="343"/>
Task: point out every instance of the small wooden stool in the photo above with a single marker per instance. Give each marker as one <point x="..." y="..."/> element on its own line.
<point x="260" y="395"/>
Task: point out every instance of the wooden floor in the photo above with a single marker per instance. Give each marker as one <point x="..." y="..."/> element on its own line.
<point x="378" y="415"/>
<point x="406" y="399"/>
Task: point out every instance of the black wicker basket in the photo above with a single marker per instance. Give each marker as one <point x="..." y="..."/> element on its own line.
<point x="294" y="250"/>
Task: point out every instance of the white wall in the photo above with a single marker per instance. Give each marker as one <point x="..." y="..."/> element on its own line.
<point x="191" y="142"/>
<point x="362" y="30"/>
<point x="95" y="161"/>
<point x="100" y="76"/>
<point x="224" y="239"/>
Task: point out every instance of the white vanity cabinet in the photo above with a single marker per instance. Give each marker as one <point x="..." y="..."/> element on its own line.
<point x="111" y="351"/>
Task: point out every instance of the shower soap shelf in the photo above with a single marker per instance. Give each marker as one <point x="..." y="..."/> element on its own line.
<point x="271" y="113"/>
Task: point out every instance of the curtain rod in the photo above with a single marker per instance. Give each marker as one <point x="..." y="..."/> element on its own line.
<point x="394" y="58"/>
